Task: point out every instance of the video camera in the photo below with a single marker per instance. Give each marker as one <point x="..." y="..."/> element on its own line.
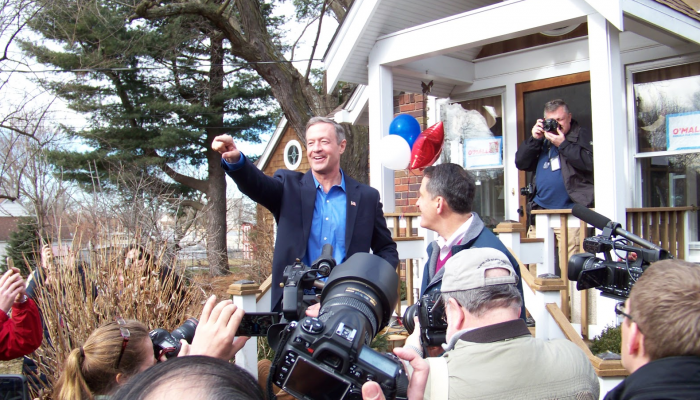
<point x="329" y="357"/>
<point x="431" y="316"/>
<point x="168" y="343"/>
<point x="614" y="279"/>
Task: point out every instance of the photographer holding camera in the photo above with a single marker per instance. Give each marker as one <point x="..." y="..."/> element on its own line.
<point x="20" y="334"/>
<point x="119" y="350"/>
<point x="560" y="153"/>
<point x="660" y="330"/>
<point x="490" y="353"/>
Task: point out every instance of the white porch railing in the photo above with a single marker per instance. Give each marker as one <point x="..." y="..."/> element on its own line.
<point x="547" y="300"/>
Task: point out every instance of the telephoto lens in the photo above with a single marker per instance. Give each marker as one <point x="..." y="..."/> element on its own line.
<point x="329" y="357"/>
<point x="168" y="344"/>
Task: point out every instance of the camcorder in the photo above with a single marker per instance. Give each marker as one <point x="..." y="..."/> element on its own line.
<point x="550" y="125"/>
<point x="168" y="343"/>
<point x="613" y="278"/>
<point x="329" y="357"/>
<point x="431" y="315"/>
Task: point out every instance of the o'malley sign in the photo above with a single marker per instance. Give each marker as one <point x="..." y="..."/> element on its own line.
<point x="683" y="131"/>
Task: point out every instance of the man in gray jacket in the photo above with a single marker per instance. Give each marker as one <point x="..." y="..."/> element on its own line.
<point x="490" y="353"/>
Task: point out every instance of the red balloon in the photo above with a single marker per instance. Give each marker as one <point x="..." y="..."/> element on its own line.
<point x="427" y="148"/>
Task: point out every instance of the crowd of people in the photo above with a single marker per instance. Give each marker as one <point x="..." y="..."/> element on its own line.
<point x="489" y="352"/>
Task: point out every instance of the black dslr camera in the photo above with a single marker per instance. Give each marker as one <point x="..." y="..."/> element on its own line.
<point x="614" y="279"/>
<point x="527" y="190"/>
<point x="168" y="343"/>
<point x="329" y="357"/>
<point x="431" y="315"/>
<point x="550" y="125"/>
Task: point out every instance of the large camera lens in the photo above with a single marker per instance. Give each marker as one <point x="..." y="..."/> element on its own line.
<point x="365" y="283"/>
<point x="577" y="263"/>
<point x="186" y="330"/>
<point x="408" y="323"/>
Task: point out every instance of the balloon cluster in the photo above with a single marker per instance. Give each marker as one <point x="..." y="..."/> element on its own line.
<point x="407" y="147"/>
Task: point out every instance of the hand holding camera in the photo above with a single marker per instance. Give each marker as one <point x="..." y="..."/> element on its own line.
<point x="11" y="287"/>
<point x="215" y="334"/>
<point x="549" y="129"/>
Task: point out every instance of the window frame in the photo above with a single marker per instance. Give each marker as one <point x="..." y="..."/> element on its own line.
<point x="633" y="161"/>
<point x="292" y="143"/>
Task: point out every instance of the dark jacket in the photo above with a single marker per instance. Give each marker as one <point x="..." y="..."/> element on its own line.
<point x="290" y="196"/>
<point x="671" y="378"/>
<point x="576" y="155"/>
<point x="477" y="236"/>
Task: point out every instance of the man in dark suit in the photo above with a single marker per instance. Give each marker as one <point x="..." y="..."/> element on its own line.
<point x="322" y="206"/>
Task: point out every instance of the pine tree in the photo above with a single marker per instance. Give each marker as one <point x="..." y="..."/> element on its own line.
<point x="156" y="93"/>
<point x="24" y="246"/>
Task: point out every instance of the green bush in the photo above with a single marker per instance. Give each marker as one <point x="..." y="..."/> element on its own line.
<point x="24" y="246"/>
<point x="403" y="290"/>
<point x="610" y="339"/>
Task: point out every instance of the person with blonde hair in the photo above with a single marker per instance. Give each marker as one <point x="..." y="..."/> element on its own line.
<point x="112" y="354"/>
<point x="117" y="351"/>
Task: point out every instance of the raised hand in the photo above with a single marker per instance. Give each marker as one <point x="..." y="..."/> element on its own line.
<point x="224" y="145"/>
<point x="216" y="330"/>
<point x="11" y="286"/>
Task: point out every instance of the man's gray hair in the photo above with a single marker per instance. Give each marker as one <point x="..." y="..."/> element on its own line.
<point x="339" y="130"/>
<point x="554" y="105"/>
<point x="481" y="300"/>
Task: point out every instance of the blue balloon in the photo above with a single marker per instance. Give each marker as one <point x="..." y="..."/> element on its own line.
<point x="405" y="126"/>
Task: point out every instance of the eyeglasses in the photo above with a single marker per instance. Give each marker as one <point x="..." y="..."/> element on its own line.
<point x="125" y="338"/>
<point x="620" y="310"/>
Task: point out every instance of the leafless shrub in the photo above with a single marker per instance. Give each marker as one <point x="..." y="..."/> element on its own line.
<point x="75" y="300"/>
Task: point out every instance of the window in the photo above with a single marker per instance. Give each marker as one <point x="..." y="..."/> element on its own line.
<point x="667" y="135"/>
<point x="474" y="139"/>
<point x="292" y="154"/>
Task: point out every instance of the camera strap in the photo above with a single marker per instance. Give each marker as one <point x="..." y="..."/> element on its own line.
<point x="284" y="336"/>
<point x="439" y="378"/>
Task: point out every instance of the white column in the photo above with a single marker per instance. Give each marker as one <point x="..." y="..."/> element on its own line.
<point x="381" y="113"/>
<point x="510" y="137"/>
<point x="609" y="130"/>
<point x="243" y="296"/>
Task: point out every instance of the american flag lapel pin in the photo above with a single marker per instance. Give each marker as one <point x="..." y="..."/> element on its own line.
<point x="352" y="203"/>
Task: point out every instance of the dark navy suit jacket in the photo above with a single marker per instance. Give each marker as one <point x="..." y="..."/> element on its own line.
<point x="290" y="197"/>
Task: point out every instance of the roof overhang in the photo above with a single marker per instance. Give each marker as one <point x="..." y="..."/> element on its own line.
<point x="445" y="49"/>
<point x="272" y="144"/>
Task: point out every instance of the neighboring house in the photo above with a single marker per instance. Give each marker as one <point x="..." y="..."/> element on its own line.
<point x="10" y="213"/>
<point x="239" y="220"/>
<point x="630" y="70"/>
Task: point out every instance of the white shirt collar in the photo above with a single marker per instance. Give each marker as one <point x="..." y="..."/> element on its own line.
<point x="457" y="236"/>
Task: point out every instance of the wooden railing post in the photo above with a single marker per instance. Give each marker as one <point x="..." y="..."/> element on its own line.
<point x="665" y="226"/>
<point x="243" y="295"/>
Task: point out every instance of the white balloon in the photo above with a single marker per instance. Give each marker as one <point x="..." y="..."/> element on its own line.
<point x="395" y="152"/>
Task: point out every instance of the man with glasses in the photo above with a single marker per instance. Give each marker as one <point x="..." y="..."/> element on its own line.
<point x="660" y="330"/>
<point x="490" y="353"/>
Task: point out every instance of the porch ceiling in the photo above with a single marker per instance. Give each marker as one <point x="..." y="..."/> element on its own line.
<point x="347" y="58"/>
<point x="370" y="22"/>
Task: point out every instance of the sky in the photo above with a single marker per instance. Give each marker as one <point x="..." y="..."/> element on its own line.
<point x="21" y="84"/>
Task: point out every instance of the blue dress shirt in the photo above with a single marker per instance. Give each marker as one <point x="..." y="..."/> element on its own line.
<point x="328" y="224"/>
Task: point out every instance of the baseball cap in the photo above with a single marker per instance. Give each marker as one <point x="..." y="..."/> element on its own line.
<point x="467" y="270"/>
